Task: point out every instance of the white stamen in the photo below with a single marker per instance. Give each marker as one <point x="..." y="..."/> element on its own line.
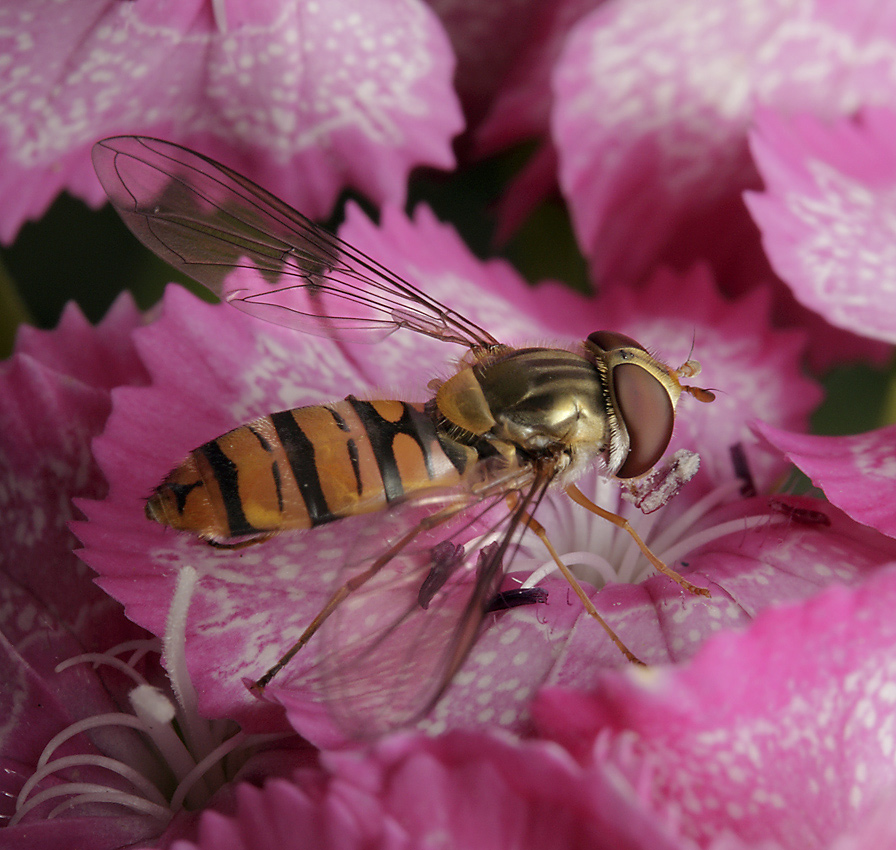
<point x="98" y="793"/>
<point x="137" y="779"/>
<point x="195" y="763"/>
<point x="216" y="756"/>
<point x="600" y="565"/>
<point x="701" y="538"/>
<point x="95" y="722"/>
<point x="603" y="553"/>
<point x="701" y="507"/>
<point x="106" y="796"/>
<point x="97" y="658"/>
<point x="195" y="730"/>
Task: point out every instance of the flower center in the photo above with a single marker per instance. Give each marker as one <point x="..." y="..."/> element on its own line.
<point x="162" y="754"/>
<point x="601" y="553"/>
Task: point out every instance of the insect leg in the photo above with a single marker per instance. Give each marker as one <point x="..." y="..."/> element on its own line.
<point x="580" y="498"/>
<point x="538" y="529"/>
<point x="242" y="544"/>
<point x="348" y="588"/>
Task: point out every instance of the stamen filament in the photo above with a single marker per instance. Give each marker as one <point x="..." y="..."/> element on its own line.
<point x="213" y="758"/>
<point x="97" y="658"/>
<point x="102" y="794"/>
<point x="196" y="733"/>
<point x="721" y="530"/>
<point x="688" y="519"/>
<point x="136" y="803"/>
<point x="156" y="712"/>
<point x="98" y="720"/>
<point x="587" y="559"/>
<point x="137" y="779"/>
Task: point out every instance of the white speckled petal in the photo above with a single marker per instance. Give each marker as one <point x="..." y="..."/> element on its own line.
<point x="55" y="392"/>
<point x="302" y="96"/>
<point x="781" y="735"/>
<point x="856" y="472"/>
<point x="654" y="101"/>
<point x="828" y="214"/>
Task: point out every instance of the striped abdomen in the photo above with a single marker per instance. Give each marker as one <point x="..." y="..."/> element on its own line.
<point x="301" y="468"/>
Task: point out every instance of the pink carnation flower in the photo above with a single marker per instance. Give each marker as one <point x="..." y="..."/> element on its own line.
<point x="306" y="96"/>
<point x="827" y="214"/>
<point x="857" y="472"/>
<point x="780" y="736"/>
<point x="247" y="607"/>
<point x="88" y="748"/>
<point x="653" y="105"/>
<point x="460" y="790"/>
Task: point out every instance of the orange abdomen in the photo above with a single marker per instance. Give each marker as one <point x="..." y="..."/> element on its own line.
<point x="304" y="467"/>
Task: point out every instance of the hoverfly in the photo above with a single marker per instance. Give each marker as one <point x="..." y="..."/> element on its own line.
<point x="470" y="464"/>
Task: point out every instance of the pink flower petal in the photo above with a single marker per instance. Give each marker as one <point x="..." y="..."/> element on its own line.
<point x="286" y="815"/>
<point x="305" y="99"/>
<point x="653" y="105"/>
<point x="535" y="182"/>
<point x="487" y="39"/>
<point x="857" y="473"/>
<point x="250" y="605"/>
<point x="56" y="398"/>
<point x="778" y="735"/>
<point x="461" y="790"/>
<point x="827" y="214"/>
<point x="102" y="356"/>
<point x="521" y="110"/>
<point x="91" y="833"/>
<point x="47" y="421"/>
<point x="475" y="790"/>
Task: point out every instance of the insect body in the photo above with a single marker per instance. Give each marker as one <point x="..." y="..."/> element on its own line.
<point x="495" y="435"/>
<point x="301" y="468"/>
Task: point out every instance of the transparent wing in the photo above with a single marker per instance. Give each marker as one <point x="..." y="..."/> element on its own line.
<point x="393" y="645"/>
<point x="258" y="253"/>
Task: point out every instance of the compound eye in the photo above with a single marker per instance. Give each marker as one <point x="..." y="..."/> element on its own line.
<point x="609" y="340"/>
<point x="647" y="412"/>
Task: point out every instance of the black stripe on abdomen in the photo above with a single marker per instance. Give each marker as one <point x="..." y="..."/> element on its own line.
<point x="355" y="460"/>
<point x="275" y="470"/>
<point x="227" y="477"/>
<point x="300" y="454"/>
<point x="382" y="433"/>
